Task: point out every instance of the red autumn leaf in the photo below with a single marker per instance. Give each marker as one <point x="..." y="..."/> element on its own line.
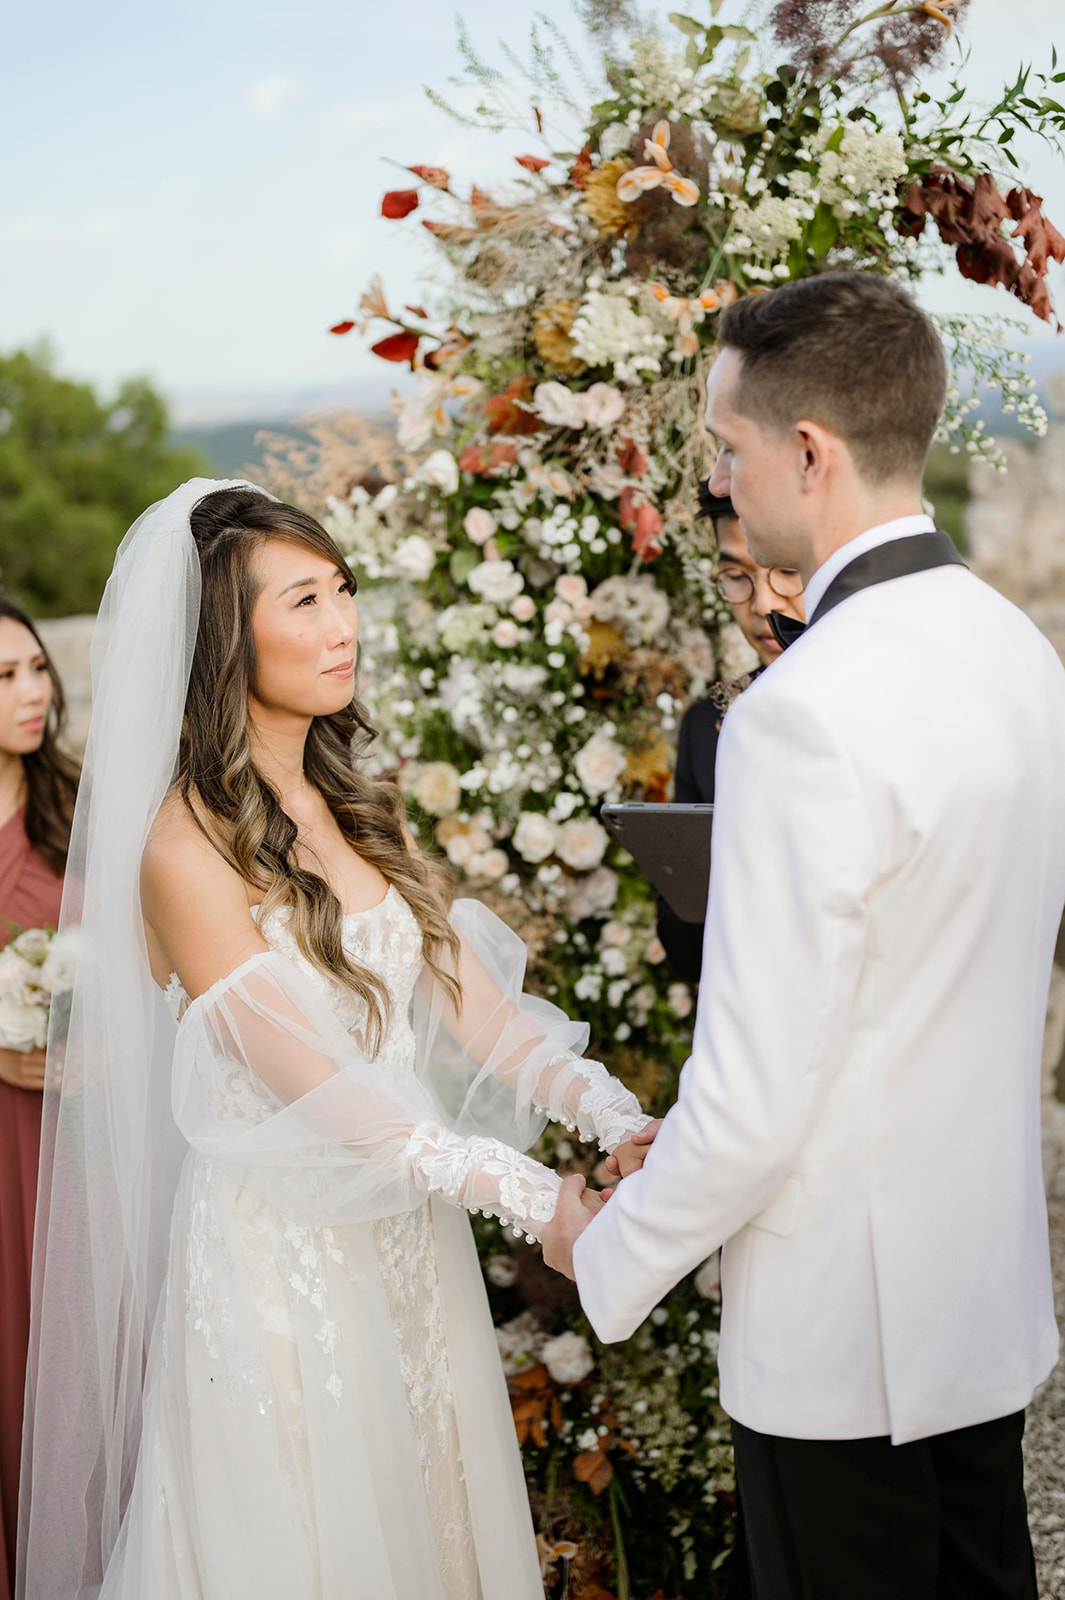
<point x="989" y="207"/>
<point x="416" y="311"/>
<point x="532" y="163"/>
<point x="437" y="176"/>
<point x="399" y="203"/>
<point x="507" y="414"/>
<point x="1042" y="241"/>
<point x="486" y="460"/>
<point x="632" y="458"/>
<point x="627" y="507"/>
<point x="593" y="1468"/>
<point x="578" y="173"/>
<point x="341" y="327"/>
<point x="645" y="539"/>
<point x="397" y="347"/>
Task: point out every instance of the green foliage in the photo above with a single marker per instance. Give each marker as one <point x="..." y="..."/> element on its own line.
<point x="74" y="473"/>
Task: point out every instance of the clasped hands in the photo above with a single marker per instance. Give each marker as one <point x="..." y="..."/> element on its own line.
<point x="577" y="1204"/>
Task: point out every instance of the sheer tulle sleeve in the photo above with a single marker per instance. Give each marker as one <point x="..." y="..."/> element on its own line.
<point x="268" y="1081"/>
<point x="505" y="1060"/>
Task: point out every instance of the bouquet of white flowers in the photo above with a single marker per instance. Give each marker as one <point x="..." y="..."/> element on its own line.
<point x="36" y="970"/>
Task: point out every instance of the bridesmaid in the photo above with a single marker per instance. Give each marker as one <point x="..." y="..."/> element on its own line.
<point x="38" y="784"/>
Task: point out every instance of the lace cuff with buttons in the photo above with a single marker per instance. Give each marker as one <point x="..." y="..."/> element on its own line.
<point x="484" y="1176"/>
<point x="586" y="1099"/>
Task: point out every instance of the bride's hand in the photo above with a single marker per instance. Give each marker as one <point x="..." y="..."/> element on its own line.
<point x="630" y="1156"/>
<point x="22" y="1069"/>
<point x="594" y="1200"/>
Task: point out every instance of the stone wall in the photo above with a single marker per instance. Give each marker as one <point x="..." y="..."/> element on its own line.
<point x="1016" y="524"/>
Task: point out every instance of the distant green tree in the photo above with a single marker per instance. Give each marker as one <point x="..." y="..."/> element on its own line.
<point x="75" y="471"/>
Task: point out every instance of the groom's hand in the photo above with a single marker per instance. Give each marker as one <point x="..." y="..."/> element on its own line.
<point x="630" y="1156"/>
<point x="574" y="1211"/>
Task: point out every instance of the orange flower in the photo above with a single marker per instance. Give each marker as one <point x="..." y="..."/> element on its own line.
<point x="638" y="180"/>
<point x="686" y="313"/>
<point x="939" y="12"/>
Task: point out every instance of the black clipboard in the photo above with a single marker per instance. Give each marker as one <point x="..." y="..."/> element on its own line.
<point x="671" y="846"/>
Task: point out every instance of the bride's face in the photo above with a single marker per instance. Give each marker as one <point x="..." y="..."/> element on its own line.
<point x="306" y="630"/>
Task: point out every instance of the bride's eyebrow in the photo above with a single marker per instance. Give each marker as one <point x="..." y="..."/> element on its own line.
<point x="305" y="583"/>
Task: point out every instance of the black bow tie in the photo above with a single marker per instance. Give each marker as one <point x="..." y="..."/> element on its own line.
<point x="785" y="629"/>
<point x="898" y="558"/>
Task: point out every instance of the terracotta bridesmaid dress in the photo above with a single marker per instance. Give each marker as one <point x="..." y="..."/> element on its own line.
<point x="30" y="893"/>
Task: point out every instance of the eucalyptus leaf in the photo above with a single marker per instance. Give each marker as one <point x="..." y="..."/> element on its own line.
<point x="461" y="564"/>
<point x="823" y="230"/>
<point x="686" y="25"/>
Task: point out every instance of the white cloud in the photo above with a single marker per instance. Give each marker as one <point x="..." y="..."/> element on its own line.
<point x="269" y="97"/>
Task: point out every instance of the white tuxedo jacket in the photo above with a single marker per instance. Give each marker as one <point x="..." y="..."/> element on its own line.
<point x="858" y="1122"/>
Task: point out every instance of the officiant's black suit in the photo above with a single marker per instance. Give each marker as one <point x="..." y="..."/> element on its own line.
<point x="693" y="784"/>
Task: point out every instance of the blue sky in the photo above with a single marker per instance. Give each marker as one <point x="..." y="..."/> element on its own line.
<point x="196" y="188"/>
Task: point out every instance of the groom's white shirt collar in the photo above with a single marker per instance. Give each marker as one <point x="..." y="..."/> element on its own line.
<point x="898" y="528"/>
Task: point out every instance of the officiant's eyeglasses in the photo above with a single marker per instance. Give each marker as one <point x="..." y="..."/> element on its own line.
<point x="738" y="587"/>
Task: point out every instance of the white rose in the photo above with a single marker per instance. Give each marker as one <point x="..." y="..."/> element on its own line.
<point x="491" y="864"/>
<point x="501" y="1270"/>
<point x="594" y="894"/>
<point x="599" y="764"/>
<point x="23" y="1026"/>
<point x="521" y="680"/>
<point x="496" y="581"/>
<point x="679" y="998"/>
<point x="437" y="788"/>
<point x="479" y="524"/>
<point x="601" y="405"/>
<point x="440" y="470"/>
<point x="16" y="976"/>
<point x="571" y="587"/>
<point x="534" y="836"/>
<point x="459" y="849"/>
<point x="414" y="425"/>
<point x="568" y="1357"/>
<point x="414" y="558"/>
<point x="33" y="944"/>
<point x="708" y="1277"/>
<point x="615" y="138"/>
<point x="614" y="933"/>
<point x="505" y="634"/>
<point x="57" y="973"/>
<point x="523" y="608"/>
<point x="613" y="961"/>
<point x="582" y="844"/>
<point x="655" y="952"/>
<point x="558" y="406"/>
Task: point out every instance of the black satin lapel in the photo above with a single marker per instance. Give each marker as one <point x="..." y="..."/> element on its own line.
<point x="899" y="558"/>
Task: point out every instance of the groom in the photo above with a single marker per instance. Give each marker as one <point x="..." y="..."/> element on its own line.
<point x="858" y="1122"/>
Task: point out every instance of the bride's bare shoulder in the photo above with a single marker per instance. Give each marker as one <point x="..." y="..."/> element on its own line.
<point x="195" y="904"/>
<point x="181" y="859"/>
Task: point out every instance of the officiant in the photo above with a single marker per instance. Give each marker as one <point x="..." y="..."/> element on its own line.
<point x="751" y="592"/>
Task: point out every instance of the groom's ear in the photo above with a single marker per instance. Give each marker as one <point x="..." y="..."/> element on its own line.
<point x="817" y="451"/>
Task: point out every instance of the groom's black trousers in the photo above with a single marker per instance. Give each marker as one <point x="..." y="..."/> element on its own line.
<point x="943" y="1518"/>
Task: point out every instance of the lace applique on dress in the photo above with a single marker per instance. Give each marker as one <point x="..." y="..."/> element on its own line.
<point x="387" y="938"/>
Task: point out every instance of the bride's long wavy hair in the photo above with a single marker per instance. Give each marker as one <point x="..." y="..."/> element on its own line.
<point x="241" y="813"/>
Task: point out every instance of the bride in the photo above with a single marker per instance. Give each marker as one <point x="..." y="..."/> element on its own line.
<point x="262" y="1362"/>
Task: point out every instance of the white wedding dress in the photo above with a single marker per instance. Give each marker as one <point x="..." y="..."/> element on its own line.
<point x="325" y="1416"/>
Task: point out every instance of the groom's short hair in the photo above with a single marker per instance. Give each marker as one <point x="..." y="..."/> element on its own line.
<point x="850" y="350"/>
